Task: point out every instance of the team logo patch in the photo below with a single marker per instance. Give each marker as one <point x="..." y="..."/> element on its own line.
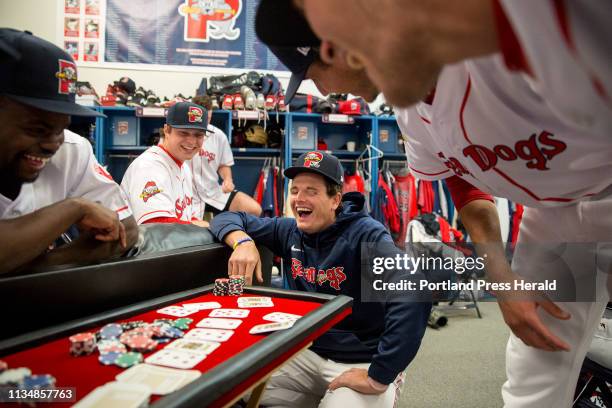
<point x="67" y="77"/>
<point x="194" y="115"/>
<point x="150" y="189"/>
<point x="312" y="159"/>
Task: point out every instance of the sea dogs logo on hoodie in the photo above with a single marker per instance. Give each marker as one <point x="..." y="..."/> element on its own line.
<point x="334" y="276"/>
<point x="313" y="159"/>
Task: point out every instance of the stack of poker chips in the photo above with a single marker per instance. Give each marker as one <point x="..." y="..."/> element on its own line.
<point x="221" y="287"/>
<point x="22" y="377"/>
<point x="139" y="337"/>
<point x="82" y="344"/>
<point x="236" y="285"/>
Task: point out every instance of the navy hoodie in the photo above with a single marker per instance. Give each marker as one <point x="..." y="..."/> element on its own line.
<point x="386" y="334"/>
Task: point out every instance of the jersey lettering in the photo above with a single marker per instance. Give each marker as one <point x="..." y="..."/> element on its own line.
<point x="209" y="155"/>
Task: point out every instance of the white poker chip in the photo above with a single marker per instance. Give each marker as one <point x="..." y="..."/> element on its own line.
<point x="14" y="375"/>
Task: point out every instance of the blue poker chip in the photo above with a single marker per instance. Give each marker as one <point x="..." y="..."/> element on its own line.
<point x="38" y="381"/>
<point x="164" y="340"/>
<point x="111" y="331"/>
<point x="109" y="358"/>
<point x="173" y="332"/>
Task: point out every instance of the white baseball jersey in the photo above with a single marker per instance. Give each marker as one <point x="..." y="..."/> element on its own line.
<point x="488" y="126"/>
<point x="537" y="133"/>
<point x="72" y="172"/>
<point x="158" y="186"/>
<point x="215" y="152"/>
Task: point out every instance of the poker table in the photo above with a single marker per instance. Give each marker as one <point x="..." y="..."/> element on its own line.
<point x="241" y="364"/>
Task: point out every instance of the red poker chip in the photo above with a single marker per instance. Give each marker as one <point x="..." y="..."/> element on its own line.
<point x="82" y="337"/>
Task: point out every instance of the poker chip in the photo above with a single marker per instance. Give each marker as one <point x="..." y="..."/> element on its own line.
<point x="82" y="344"/>
<point x="236" y="285"/>
<point x="221" y="287"/>
<point x="3" y="366"/>
<point x="173" y="333"/>
<point x="132" y="325"/>
<point x="128" y="359"/>
<point x="111" y="346"/>
<point x="111" y="331"/>
<point x="14" y="376"/>
<point x="37" y="381"/>
<point x="109" y="358"/>
<point x="142" y="343"/>
<point x="182" y="323"/>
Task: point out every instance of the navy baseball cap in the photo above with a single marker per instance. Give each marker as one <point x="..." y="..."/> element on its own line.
<point x="317" y="162"/>
<point x="37" y="73"/>
<point x="187" y="115"/>
<point x="286" y="32"/>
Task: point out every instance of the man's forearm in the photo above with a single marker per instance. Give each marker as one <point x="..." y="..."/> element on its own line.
<point x="481" y="220"/>
<point x="225" y="172"/>
<point x="86" y="250"/>
<point x="24" y="238"/>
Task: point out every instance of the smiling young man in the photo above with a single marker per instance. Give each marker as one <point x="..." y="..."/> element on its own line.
<point x="48" y="175"/>
<point x="159" y="182"/>
<point x="359" y="362"/>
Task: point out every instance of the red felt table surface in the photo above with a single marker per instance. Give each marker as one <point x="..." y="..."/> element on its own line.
<point x="86" y="373"/>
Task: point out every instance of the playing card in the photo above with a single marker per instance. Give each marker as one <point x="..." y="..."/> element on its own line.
<point x="194" y="346"/>
<point x="175" y="358"/>
<point x="176" y="311"/>
<point x="248" y="302"/>
<point x="160" y="380"/>
<point x="202" y="305"/>
<point x="270" y="327"/>
<point x="116" y="394"/>
<point x="281" y="317"/>
<point x="217" y="323"/>
<point x="236" y="313"/>
<point x="209" y="334"/>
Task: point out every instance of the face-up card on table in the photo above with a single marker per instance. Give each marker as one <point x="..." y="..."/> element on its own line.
<point x="194" y="346"/>
<point x="281" y="317"/>
<point x="248" y="302"/>
<point x="202" y="306"/>
<point x="175" y="358"/>
<point x="176" y="311"/>
<point x="116" y="394"/>
<point x="235" y="313"/>
<point x="270" y="327"/>
<point x="218" y="323"/>
<point x="209" y="334"/>
<point x="161" y="380"/>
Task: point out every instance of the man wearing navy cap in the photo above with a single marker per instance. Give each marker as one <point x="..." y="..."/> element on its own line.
<point x="49" y="178"/>
<point x="359" y="362"/>
<point x="159" y="183"/>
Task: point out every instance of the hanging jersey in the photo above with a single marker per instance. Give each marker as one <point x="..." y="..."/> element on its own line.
<point x="158" y="186"/>
<point x="72" y="172"/>
<point x="351" y="183"/>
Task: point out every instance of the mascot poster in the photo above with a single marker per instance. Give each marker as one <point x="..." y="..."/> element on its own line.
<point x="211" y="33"/>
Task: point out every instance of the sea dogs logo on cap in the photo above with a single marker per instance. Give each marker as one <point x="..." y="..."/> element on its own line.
<point x="150" y="189"/>
<point x="66" y="76"/>
<point x="194" y="114"/>
<point x="312" y="159"/>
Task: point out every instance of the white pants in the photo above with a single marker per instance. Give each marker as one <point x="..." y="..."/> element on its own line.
<point x="542" y="379"/>
<point x="303" y="382"/>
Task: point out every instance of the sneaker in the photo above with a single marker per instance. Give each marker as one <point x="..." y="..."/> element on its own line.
<point x="214" y="102"/>
<point x="238" y="102"/>
<point x="281" y="103"/>
<point x="228" y="102"/>
<point x="270" y="103"/>
<point x="249" y="98"/>
<point x="261" y="101"/>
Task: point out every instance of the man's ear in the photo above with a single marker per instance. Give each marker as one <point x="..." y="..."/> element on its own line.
<point x="167" y="129"/>
<point x="337" y="201"/>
